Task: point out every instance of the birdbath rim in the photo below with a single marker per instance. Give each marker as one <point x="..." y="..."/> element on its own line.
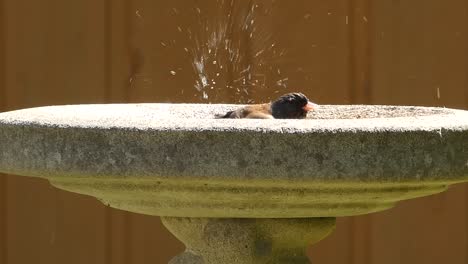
<point x="200" y="117"/>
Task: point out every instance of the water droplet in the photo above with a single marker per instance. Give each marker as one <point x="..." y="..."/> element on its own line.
<point x="204" y="81"/>
<point x="137" y="13"/>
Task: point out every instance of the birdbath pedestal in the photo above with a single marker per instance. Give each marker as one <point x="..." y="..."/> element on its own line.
<point x="237" y="190"/>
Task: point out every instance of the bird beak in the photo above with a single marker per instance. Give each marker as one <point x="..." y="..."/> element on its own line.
<point x="310" y="106"/>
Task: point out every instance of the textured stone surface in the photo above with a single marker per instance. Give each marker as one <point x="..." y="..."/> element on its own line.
<point x="176" y="160"/>
<point x="242" y="241"/>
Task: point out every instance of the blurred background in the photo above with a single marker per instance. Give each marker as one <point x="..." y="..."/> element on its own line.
<point x="232" y="51"/>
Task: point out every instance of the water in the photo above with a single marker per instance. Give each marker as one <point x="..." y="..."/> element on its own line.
<point x="231" y="49"/>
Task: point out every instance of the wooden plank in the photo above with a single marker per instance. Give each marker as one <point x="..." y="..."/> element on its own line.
<point x="466" y="59"/>
<point x="150" y="240"/>
<point x="3" y="217"/>
<point x="65" y="64"/>
<point x="162" y="50"/>
<point x="360" y="20"/>
<point x="118" y="237"/>
<point x="338" y="247"/>
<point x="425" y="230"/>
<point x="3" y="53"/>
<point x="3" y="183"/>
<point x="311" y="50"/>
<point x="152" y="32"/>
<point x="420" y="49"/>
<point x="80" y="222"/>
<point x="158" y="48"/>
<point x="420" y="57"/>
<point x="118" y="49"/>
<point x="54" y="226"/>
<point x="118" y="45"/>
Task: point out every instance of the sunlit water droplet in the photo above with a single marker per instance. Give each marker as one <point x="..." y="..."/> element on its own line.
<point x="218" y="53"/>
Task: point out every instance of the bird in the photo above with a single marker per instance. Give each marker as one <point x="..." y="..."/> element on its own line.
<point x="288" y="106"/>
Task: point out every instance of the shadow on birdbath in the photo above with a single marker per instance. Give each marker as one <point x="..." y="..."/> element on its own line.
<point x="240" y="191"/>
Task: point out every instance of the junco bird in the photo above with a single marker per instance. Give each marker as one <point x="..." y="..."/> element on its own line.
<point x="288" y="106"/>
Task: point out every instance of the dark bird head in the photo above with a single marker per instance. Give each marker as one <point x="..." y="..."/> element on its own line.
<point x="291" y="106"/>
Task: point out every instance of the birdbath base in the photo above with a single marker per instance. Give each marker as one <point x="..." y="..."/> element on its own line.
<point x="247" y="241"/>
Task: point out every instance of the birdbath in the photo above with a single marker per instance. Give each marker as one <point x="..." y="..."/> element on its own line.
<point x="240" y="190"/>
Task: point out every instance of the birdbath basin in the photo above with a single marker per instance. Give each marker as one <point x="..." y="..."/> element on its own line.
<point x="240" y="190"/>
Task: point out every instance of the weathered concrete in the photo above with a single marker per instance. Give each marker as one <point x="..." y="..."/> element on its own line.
<point x="176" y="160"/>
<point x="242" y="241"/>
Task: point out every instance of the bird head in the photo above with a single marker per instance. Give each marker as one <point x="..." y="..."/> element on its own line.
<point x="292" y="106"/>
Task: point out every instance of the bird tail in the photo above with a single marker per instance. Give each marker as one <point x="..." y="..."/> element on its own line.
<point x="227" y="115"/>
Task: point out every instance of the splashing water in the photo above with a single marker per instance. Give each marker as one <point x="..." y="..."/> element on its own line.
<point x="229" y="48"/>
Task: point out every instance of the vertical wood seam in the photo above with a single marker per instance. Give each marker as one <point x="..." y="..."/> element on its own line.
<point x="351" y="91"/>
<point x="108" y="49"/>
<point x="107" y="95"/>
<point x="248" y="51"/>
<point x="351" y="88"/>
<point x="127" y="234"/>
<point x="466" y="107"/>
<point x="108" y="235"/>
<point x="369" y="51"/>
<point x="466" y="82"/>
<point x="351" y="50"/>
<point x="359" y="20"/>
<point x="2" y="56"/>
<point x="360" y="50"/>
<point x="3" y="180"/>
<point x="128" y="34"/>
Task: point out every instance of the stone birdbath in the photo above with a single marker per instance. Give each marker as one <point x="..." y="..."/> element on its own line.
<point x="240" y="191"/>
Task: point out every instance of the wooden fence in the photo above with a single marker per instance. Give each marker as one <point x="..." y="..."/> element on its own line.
<point x="336" y="51"/>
